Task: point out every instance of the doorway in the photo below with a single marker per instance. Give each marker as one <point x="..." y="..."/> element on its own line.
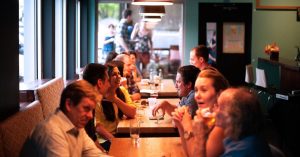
<point x="226" y="28"/>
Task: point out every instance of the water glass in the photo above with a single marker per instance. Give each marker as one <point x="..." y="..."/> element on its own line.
<point x="135" y="131"/>
<point x="140" y="113"/>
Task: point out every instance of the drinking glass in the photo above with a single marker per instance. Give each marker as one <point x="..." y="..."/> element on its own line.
<point x="208" y="117"/>
<point x="158" y="116"/>
<point x="135" y="131"/>
<point x="140" y="112"/>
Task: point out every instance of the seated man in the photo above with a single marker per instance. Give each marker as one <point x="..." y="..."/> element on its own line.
<point x="63" y="134"/>
<point x="185" y="82"/>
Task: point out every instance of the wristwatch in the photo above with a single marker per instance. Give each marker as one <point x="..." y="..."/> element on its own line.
<point x="188" y="134"/>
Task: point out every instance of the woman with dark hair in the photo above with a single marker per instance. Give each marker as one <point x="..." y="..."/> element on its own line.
<point x="112" y="108"/>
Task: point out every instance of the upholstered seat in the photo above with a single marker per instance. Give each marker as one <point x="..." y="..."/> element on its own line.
<point x="49" y="95"/>
<point x="15" y="130"/>
<point x="276" y="152"/>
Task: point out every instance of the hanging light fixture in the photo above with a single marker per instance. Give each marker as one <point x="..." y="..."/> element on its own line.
<point x="152" y="10"/>
<point x="151" y="18"/>
<point x="152" y="2"/>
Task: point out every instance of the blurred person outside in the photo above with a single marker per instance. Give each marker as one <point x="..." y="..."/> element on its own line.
<point x="185" y="83"/>
<point x="123" y="32"/>
<point x="209" y="85"/>
<point x="63" y="134"/>
<point x="109" y="41"/>
<point x="143" y="46"/>
<point x="199" y="57"/>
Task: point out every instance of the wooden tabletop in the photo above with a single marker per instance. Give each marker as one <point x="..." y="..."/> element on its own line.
<point x="148" y="126"/>
<point x="147" y="147"/>
<point x="165" y="90"/>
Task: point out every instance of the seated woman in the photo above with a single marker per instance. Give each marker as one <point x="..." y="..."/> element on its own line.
<point x="185" y="82"/>
<point x="209" y="84"/>
<point x="123" y="83"/>
<point x="112" y="108"/>
<point x="240" y="115"/>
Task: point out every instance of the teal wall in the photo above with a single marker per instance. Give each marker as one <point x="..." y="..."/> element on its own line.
<point x="267" y="26"/>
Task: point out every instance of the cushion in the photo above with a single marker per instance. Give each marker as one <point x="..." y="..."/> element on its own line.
<point x="15" y="129"/>
<point x="49" y="95"/>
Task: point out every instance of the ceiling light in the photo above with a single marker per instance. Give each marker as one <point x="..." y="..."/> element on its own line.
<point x="152" y="11"/>
<point x="152" y="2"/>
<point x="151" y="18"/>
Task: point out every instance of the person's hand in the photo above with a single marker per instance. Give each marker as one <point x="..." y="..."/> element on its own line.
<point x="159" y="106"/>
<point x="123" y="81"/>
<point x="110" y="95"/>
<point x="200" y="128"/>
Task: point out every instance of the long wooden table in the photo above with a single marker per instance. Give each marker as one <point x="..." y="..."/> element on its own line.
<point x="165" y="90"/>
<point x="148" y="126"/>
<point x="147" y="147"/>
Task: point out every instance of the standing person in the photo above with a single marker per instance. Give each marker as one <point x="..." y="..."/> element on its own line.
<point x="240" y="114"/>
<point x="185" y="83"/>
<point x="123" y="32"/>
<point x="209" y="85"/>
<point x="144" y="44"/>
<point x="199" y="57"/>
<point x="109" y="45"/>
<point x="63" y="134"/>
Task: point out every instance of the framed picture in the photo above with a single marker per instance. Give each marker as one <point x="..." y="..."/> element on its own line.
<point x="277" y="4"/>
<point x="234" y="37"/>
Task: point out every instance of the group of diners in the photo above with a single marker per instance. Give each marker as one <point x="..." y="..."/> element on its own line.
<point x="106" y="94"/>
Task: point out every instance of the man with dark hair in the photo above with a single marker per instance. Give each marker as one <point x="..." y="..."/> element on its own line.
<point x="63" y="134"/>
<point x="96" y="74"/>
<point x="123" y="32"/>
<point x="185" y="83"/>
<point x="199" y="57"/>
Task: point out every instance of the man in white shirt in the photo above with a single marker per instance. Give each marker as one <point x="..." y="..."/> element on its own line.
<point x="63" y="134"/>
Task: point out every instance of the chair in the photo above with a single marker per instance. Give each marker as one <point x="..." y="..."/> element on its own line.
<point x="49" y="95"/>
<point x="261" y="79"/>
<point x="249" y="77"/>
<point x="15" y="130"/>
<point x="276" y="152"/>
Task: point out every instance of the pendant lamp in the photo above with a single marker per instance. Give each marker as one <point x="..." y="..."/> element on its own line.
<point x="152" y="10"/>
<point x="151" y="18"/>
<point x="152" y="2"/>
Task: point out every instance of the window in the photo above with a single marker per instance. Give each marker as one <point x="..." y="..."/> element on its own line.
<point x="27" y="38"/>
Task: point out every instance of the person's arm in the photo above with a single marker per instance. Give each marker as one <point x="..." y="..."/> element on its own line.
<point x="103" y="132"/>
<point x="99" y="118"/>
<point x="122" y="43"/>
<point x="128" y="110"/>
<point x="165" y="106"/>
<point x="134" y="31"/>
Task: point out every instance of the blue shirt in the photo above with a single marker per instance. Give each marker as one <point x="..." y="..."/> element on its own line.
<point x="251" y="146"/>
<point x="189" y="101"/>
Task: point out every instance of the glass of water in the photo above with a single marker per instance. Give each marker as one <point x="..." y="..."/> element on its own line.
<point x="135" y="131"/>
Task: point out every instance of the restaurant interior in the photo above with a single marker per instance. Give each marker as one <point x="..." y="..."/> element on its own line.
<point x="47" y="45"/>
